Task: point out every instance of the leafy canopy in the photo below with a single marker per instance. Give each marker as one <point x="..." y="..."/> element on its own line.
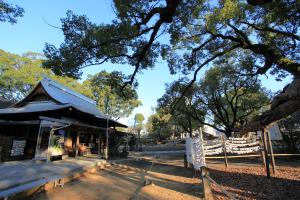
<point x="180" y="109"/>
<point x="231" y="100"/>
<point x="159" y="125"/>
<point x="19" y="74"/>
<point x="200" y="32"/>
<point x="223" y="100"/>
<point x="106" y="89"/>
<point x="138" y="120"/>
<point x="196" y="33"/>
<point x="10" y="13"/>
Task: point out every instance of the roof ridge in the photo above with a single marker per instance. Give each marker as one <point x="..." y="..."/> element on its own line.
<point x="67" y="90"/>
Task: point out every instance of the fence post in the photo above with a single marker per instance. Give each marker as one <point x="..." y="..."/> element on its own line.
<point x="271" y="152"/>
<point x="266" y="152"/>
<point x="207" y="193"/>
<point x="225" y="154"/>
<point x="185" y="161"/>
<point x="262" y="151"/>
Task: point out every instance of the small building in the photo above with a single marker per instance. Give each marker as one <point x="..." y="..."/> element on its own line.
<point x="53" y="121"/>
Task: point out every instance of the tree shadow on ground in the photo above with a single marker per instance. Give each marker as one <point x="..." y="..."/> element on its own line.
<point x="194" y="189"/>
<point x="154" y="174"/>
<point x="160" y="167"/>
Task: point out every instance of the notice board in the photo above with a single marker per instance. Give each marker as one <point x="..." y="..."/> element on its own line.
<point x="18" y="147"/>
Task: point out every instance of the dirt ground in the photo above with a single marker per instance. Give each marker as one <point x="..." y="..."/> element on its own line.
<point x="244" y="179"/>
<point x="125" y="181"/>
<point x="250" y="182"/>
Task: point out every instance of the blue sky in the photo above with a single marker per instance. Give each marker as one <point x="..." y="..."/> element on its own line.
<point x="31" y="33"/>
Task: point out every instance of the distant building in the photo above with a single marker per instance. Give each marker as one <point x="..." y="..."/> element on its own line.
<point x="211" y="131"/>
<point x="53" y="121"/>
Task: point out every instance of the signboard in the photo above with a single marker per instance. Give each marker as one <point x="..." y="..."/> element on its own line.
<point x="275" y="133"/>
<point x="18" y="147"/>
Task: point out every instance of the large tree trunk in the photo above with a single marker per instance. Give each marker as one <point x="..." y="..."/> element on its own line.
<point x="283" y="105"/>
<point x="190" y="127"/>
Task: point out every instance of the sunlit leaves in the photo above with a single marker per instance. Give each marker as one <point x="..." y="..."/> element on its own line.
<point x="107" y="86"/>
<point x="19" y="74"/>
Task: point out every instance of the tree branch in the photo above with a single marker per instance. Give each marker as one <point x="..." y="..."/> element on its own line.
<point x="240" y="33"/>
<point x="288" y="34"/>
<point x="258" y="2"/>
<point x="201" y="66"/>
<point x="145" y="49"/>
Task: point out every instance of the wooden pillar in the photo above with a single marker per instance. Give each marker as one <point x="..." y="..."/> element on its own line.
<point x="99" y="144"/>
<point x="207" y="192"/>
<point x="50" y="145"/>
<point x="271" y="153"/>
<point x="77" y="144"/>
<point x="185" y="161"/>
<point x="266" y="152"/>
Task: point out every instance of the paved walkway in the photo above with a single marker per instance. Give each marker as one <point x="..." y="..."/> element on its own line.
<point x="16" y="173"/>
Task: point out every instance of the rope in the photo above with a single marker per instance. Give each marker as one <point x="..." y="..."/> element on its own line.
<point x="232" y="145"/>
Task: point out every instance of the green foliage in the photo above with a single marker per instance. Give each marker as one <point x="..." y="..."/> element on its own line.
<point x="223" y="99"/>
<point x="159" y="125"/>
<point x="10" y="13"/>
<point x="19" y="74"/>
<point x="138" y="120"/>
<point x="267" y="34"/>
<point x="231" y="100"/>
<point x="200" y="32"/>
<point x="107" y="86"/>
<point x="262" y="36"/>
<point x="180" y="108"/>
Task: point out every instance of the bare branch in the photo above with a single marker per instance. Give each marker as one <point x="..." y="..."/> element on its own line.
<point x="51" y="24"/>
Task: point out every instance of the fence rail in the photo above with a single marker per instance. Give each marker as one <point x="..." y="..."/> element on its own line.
<point x="244" y="156"/>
